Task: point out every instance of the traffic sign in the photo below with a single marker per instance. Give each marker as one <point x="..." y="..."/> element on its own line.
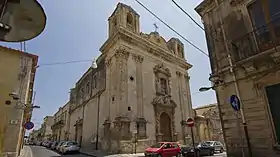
<point x="190" y="122"/>
<point x="29" y="125"/>
<point x="235" y="102"/>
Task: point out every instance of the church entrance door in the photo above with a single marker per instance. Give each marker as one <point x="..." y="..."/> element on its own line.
<point x="165" y="127"/>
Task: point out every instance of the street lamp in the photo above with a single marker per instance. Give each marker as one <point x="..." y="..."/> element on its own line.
<point x="21" y="20"/>
<point x="204" y="89"/>
<point x="215" y="79"/>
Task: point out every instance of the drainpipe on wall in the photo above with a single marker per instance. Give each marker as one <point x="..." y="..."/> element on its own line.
<point x="97" y="127"/>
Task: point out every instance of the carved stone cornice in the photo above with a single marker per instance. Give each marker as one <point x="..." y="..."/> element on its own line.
<point x="138" y="41"/>
<point x="204" y="5"/>
<point x="137" y="58"/>
<point x="160" y="68"/>
<point x="165" y="101"/>
<point x="122" y="53"/>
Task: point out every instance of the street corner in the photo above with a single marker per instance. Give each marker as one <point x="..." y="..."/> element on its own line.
<point x="26" y="152"/>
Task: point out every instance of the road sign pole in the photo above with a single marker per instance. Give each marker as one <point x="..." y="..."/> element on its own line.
<point x="193" y="142"/>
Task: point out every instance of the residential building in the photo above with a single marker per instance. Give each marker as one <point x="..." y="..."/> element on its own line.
<point x="17" y="74"/>
<point x="46" y="131"/>
<point x="208" y="123"/>
<point x="246" y="33"/>
<point x="139" y="88"/>
<point x="61" y="125"/>
<point x="33" y="135"/>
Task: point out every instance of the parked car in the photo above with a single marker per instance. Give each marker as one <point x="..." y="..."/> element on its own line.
<point x="59" y="145"/>
<point x="202" y="149"/>
<point x="163" y="149"/>
<point x="217" y="145"/>
<point x="54" y="145"/>
<point x="49" y="144"/>
<point x="70" y="147"/>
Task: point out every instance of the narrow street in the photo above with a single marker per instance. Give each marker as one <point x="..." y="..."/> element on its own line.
<point x="39" y="151"/>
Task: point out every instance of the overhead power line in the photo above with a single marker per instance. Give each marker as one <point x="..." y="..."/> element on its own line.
<point x="188" y="15"/>
<point x="62" y="63"/>
<point x="189" y="42"/>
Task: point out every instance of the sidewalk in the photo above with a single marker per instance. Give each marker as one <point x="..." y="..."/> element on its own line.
<point x="99" y="153"/>
<point x="26" y="152"/>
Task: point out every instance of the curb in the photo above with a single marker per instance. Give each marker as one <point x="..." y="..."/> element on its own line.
<point x="88" y="154"/>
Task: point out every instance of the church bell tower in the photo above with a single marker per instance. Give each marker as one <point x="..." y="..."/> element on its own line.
<point x="123" y="17"/>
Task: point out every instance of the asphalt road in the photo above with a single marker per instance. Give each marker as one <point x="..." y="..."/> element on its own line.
<point x="39" y="151"/>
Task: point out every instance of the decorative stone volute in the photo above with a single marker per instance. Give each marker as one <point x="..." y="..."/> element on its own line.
<point x="122" y="53"/>
<point x="160" y="68"/>
<point x="178" y="73"/>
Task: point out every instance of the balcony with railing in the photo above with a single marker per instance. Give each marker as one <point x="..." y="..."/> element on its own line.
<point x="58" y="123"/>
<point x="257" y="42"/>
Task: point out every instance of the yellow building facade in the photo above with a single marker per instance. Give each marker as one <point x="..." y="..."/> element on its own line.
<point x="17" y="74"/>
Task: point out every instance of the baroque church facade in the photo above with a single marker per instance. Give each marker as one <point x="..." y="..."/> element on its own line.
<point x="140" y="89"/>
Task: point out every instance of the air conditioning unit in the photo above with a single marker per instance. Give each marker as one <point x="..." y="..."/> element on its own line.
<point x="13" y="122"/>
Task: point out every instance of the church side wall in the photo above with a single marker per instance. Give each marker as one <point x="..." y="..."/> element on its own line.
<point x="73" y="118"/>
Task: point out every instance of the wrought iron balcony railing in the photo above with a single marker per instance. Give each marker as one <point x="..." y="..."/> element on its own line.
<point x="257" y="41"/>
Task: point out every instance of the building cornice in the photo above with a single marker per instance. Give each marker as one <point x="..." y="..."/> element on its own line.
<point x="145" y="44"/>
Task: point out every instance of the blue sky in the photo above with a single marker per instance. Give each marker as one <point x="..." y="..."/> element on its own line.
<point x="75" y="31"/>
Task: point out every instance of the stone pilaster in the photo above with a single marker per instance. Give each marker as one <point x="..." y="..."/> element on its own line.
<point x="181" y="102"/>
<point x="122" y="90"/>
<point x="188" y="94"/>
<point x="109" y="87"/>
<point x="139" y="84"/>
<point x="122" y="125"/>
<point x="141" y="121"/>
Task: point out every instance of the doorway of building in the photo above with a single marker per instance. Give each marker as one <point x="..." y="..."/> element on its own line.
<point x="273" y="97"/>
<point x="165" y="127"/>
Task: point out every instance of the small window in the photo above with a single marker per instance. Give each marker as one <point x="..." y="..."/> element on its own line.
<point x="163" y="86"/>
<point x="129" y="108"/>
<point x="129" y="19"/>
<point x="94" y="83"/>
<point x="88" y="88"/>
<point x="82" y="93"/>
<point x="115" y="22"/>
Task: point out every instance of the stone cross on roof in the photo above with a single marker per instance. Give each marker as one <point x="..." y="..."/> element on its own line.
<point x="156" y="27"/>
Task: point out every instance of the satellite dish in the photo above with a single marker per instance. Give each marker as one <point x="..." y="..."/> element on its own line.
<point x="21" y="20"/>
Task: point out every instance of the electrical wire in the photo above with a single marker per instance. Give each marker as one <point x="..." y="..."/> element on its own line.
<point x="188" y="15"/>
<point x="189" y="42"/>
<point x="62" y="63"/>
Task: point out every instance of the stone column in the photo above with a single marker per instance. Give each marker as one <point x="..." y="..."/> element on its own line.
<point x="141" y="121"/>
